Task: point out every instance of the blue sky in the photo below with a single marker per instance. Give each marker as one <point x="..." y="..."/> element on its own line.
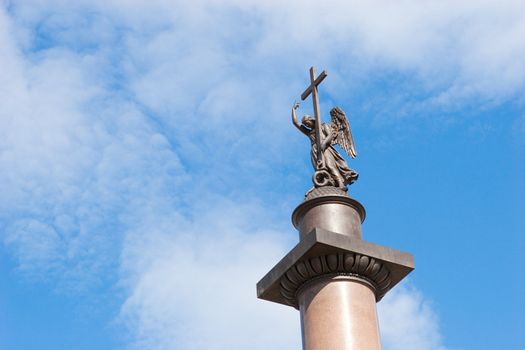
<point x="150" y="167"/>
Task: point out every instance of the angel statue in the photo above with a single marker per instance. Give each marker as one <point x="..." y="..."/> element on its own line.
<point x="331" y="168"/>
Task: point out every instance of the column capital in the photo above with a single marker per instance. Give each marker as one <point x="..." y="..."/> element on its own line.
<point x="372" y="272"/>
<point x="323" y="252"/>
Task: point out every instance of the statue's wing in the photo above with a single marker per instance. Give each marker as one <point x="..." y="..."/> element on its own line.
<point x="344" y="133"/>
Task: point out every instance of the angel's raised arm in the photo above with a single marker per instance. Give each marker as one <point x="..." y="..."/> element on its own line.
<point x="295" y="122"/>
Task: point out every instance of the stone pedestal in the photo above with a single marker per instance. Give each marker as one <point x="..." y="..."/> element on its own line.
<point x="333" y="276"/>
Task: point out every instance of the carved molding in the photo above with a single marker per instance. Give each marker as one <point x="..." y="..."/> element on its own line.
<point x="338" y="264"/>
<point x="325" y="191"/>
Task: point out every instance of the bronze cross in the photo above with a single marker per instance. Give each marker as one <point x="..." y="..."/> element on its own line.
<point x="312" y="89"/>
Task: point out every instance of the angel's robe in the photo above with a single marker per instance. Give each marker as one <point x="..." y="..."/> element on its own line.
<point x="333" y="162"/>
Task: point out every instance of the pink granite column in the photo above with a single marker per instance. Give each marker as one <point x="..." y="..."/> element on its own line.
<point x="339" y="313"/>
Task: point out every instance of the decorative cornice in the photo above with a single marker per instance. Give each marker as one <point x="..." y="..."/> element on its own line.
<point x="325" y="191"/>
<point x="338" y="264"/>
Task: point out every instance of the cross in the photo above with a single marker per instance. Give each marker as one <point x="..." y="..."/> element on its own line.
<point x="312" y="89"/>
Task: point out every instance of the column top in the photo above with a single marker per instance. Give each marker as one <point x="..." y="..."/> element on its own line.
<point x="324" y="195"/>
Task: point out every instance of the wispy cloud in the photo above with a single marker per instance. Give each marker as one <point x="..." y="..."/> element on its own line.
<point x="192" y="283"/>
<point x="77" y="159"/>
<point x="409" y="321"/>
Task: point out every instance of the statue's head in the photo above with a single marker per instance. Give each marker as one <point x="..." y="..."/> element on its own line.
<point x="336" y="112"/>
<point x="308" y="121"/>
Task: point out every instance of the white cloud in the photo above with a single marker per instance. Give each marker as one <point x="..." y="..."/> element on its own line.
<point x="75" y="165"/>
<point x="193" y="283"/>
<point x="408" y="321"/>
<point x="183" y="51"/>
